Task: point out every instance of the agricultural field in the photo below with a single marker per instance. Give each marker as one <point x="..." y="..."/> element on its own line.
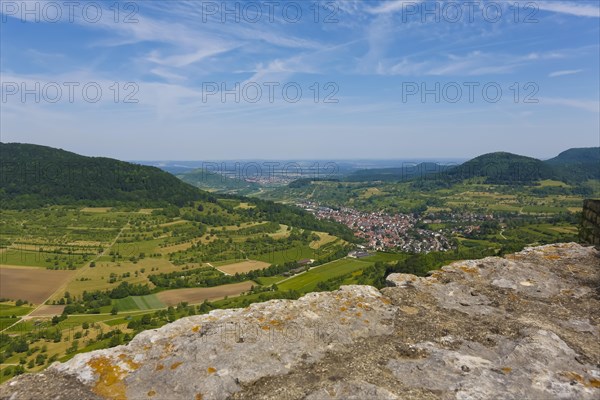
<point x="136" y="303"/>
<point x="32" y="284"/>
<point x="11" y="313"/>
<point x="54" y="257"/>
<point x="97" y="248"/>
<point x="307" y="281"/>
<point x="283" y="256"/>
<point x="47" y="311"/>
<point x="106" y="274"/>
<point x="324" y="239"/>
<point x="198" y="295"/>
<point x="140" y="268"/>
<point x="63" y="339"/>
<point x="9" y="310"/>
<point x="242" y="267"/>
<point x="546" y="197"/>
<point x="384" y="257"/>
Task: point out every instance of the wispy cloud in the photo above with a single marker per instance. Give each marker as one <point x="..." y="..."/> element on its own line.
<point x="393" y="6"/>
<point x="169" y="76"/>
<point x="590" y="9"/>
<point x="586" y="105"/>
<point x="182" y="60"/>
<point x="565" y="72"/>
<point x="471" y="64"/>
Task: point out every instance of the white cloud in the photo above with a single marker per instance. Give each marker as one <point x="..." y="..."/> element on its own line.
<point x="571" y="8"/>
<point x="170" y="76"/>
<point x="393" y="6"/>
<point x="471" y="64"/>
<point x="182" y="60"/>
<point x="586" y="105"/>
<point x="565" y="72"/>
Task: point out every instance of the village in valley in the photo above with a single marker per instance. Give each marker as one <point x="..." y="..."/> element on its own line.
<point x="383" y="231"/>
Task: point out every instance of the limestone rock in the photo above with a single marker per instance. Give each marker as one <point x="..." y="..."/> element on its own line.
<point x="524" y="326"/>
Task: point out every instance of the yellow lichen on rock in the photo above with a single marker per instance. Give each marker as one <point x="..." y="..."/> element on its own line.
<point x="110" y="378"/>
<point x="176" y="364"/>
<point x="469" y="270"/>
<point x="409" y="310"/>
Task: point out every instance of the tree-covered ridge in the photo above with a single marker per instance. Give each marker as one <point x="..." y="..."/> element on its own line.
<point x="577" y="156"/>
<point x="34" y="176"/>
<point x="502" y="168"/>
<point x="570" y="166"/>
<point x="406" y="172"/>
<point x="577" y="164"/>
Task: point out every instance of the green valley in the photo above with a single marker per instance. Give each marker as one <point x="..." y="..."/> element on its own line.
<point x="88" y="263"/>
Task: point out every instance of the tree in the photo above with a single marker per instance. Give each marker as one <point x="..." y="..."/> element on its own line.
<point x="21" y="346"/>
<point x="115" y="340"/>
<point x="73" y="347"/>
<point x="40" y="359"/>
<point x="114" y="310"/>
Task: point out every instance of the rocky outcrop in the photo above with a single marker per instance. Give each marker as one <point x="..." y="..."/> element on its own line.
<point x="520" y="327"/>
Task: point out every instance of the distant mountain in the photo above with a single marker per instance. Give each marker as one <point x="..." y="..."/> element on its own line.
<point x="33" y="175"/>
<point x="172" y="167"/>
<point x="209" y="180"/>
<point x="502" y="168"/>
<point x="495" y="168"/>
<point x="571" y="166"/>
<point x="576" y="165"/>
<point x="407" y="171"/>
<point x="577" y="156"/>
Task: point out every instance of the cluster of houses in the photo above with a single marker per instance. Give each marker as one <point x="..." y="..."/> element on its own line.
<point x="382" y="231"/>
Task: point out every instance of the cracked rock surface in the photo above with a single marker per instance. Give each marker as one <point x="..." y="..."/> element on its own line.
<point x="520" y="327"/>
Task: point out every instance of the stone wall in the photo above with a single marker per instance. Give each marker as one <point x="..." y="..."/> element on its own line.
<point x="590" y="224"/>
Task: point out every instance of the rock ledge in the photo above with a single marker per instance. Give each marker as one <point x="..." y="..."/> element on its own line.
<point x="523" y="326"/>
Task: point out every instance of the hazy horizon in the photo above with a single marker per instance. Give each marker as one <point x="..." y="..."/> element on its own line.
<point x="440" y="159"/>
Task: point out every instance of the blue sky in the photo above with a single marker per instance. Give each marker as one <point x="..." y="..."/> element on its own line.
<point x="370" y="61"/>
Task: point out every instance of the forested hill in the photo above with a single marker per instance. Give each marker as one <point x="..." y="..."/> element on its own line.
<point x="571" y="166"/>
<point x="502" y="168"/>
<point x="577" y="156"/>
<point x="33" y="176"/>
<point x="580" y="164"/>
